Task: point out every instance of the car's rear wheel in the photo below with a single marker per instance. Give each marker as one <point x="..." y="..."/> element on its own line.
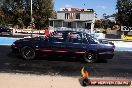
<point x="27" y="53"/>
<point x="90" y="57"/>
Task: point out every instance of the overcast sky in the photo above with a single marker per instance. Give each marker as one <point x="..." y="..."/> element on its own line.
<point x="100" y="6"/>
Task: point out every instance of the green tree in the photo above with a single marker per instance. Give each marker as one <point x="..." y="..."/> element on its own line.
<point x="13" y="10"/>
<point x="124" y="14"/>
<point x="98" y="24"/>
<point x="43" y="9"/>
<point x="104" y="23"/>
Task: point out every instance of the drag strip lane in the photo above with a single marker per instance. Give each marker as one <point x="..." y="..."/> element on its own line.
<point x="119" y="66"/>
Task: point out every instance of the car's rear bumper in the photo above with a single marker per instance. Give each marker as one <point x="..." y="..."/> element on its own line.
<point x="15" y="49"/>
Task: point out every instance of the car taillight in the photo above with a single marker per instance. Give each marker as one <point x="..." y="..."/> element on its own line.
<point x="14" y="46"/>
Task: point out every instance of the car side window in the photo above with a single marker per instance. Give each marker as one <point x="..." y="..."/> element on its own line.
<point x="58" y="37"/>
<point x="84" y="39"/>
<point x="74" y="38"/>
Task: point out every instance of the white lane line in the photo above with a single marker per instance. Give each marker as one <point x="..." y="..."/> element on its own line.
<point x="10" y="38"/>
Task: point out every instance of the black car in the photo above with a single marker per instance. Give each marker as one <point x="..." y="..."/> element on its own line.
<point x="5" y="30"/>
<point x="64" y="43"/>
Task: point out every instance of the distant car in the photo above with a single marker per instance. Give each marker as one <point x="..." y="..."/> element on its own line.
<point x="64" y="43"/>
<point x="127" y="37"/>
<point x="4" y="30"/>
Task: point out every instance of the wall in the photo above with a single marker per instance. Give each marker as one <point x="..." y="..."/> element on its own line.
<point x="87" y="16"/>
<point x="60" y="15"/>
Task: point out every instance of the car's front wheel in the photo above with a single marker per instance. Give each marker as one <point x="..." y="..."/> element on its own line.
<point x="27" y="53"/>
<point x="90" y="57"/>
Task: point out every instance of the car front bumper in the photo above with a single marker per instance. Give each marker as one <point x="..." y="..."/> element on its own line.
<point x="106" y="55"/>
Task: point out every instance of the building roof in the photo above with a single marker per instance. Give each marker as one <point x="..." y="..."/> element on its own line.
<point x="75" y="10"/>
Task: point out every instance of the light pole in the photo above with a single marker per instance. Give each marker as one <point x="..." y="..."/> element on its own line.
<point x="31" y="17"/>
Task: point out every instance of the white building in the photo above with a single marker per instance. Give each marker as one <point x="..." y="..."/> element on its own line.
<point x="74" y="18"/>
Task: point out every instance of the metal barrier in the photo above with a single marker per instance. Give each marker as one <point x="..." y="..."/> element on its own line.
<point x="72" y="29"/>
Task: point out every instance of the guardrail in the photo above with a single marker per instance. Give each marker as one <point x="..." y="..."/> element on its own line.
<point x="72" y="29"/>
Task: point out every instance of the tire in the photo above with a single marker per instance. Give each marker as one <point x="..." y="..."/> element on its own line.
<point x="27" y="53"/>
<point x="90" y="57"/>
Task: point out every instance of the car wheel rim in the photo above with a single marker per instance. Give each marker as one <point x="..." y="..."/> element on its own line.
<point x="90" y="57"/>
<point x="28" y="53"/>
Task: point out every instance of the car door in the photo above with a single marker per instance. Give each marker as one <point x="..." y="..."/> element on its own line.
<point x="76" y="44"/>
<point x="57" y="44"/>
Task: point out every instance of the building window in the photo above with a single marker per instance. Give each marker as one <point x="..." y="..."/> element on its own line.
<point x="78" y="16"/>
<point x="67" y="15"/>
<point x="69" y="24"/>
<point x="71" y="16"/>
<point x="88" y="25"/>
<point x="51" y="23"/>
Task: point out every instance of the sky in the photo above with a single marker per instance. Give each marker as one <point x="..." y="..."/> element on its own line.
<point x="100" y="6"/>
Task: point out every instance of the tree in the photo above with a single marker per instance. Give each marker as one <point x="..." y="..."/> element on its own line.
<point x="104" y="23"/>
<point x="98" y="24"/>
<point x="43" y="9"/>
<point x="124" y="14"/>
<point x="1" y="16"/>
<point x="13" y="10"/>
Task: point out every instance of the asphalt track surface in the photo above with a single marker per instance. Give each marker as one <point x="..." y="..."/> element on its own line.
<point x="119" y="66"/>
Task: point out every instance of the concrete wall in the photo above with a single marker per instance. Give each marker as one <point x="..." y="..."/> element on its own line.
<point x="87" y="16"/>
<point x="60" y="15"/>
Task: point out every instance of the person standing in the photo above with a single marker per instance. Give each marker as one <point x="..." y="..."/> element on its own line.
<point x="46" y="31"/>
